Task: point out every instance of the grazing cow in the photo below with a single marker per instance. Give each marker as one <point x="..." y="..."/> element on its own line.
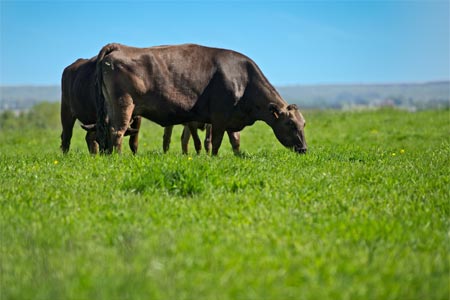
<point x="78" y="101"/>
<point x="191" y="128"/>
<point x="178" y="84"/>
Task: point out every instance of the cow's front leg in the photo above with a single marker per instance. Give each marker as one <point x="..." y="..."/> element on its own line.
<point x="193" y="126"/>
<point x="91" y="142"/>
<point x="166" y="138"/>
<point x="134" y="138"/>
<point x="235" y="141"/>
<point x="185" y="136"/>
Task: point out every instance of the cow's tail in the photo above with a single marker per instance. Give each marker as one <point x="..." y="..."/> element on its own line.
<point x="103" y="138"/>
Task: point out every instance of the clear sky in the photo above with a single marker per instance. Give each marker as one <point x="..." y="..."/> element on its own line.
<point x="293" y="42"/>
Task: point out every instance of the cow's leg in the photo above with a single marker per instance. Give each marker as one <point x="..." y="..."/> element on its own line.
<point x="185" y="136"/>
<point x="67" y="122"/>
<point x="207" y="141"/>
<point x="92" y="142"/>
<point x="216" y="139"/>
<point x="197" y="142"/>
<point x="122" y="112"/>
<point x="235" y="141"/>
<point x="134" y="138"/>
<point x="166" y="138"/>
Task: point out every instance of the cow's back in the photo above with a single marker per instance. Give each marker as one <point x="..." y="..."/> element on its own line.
<point x="170" y="83"/>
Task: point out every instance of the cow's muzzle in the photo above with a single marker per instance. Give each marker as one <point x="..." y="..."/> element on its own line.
<point x="300" y="149"/>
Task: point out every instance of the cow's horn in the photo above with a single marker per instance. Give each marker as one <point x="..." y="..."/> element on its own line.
<point x="131" y="131"/>
<point x="88" y="128"/>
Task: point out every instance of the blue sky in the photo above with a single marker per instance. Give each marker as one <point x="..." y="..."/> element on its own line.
<point x="293" y="42"/>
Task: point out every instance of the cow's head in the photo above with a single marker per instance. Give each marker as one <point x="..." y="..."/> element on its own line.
<point x="110" y="135"/>
<point x="288" y="125"/>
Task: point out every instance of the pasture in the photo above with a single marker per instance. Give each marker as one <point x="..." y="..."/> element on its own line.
<point x="363" y="215"/>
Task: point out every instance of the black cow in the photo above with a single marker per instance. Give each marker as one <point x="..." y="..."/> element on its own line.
<point x="179" y="84"/>
<point x="78" y="101"/>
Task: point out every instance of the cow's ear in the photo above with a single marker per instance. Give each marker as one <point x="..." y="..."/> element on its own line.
<point x="131" y="131"/>
<point x="88" y="128"/>
<point x="275" y="110"/>
<point x="292" y="107"/>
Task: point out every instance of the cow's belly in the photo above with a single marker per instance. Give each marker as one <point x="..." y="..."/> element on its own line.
<point x="167" y="111"/>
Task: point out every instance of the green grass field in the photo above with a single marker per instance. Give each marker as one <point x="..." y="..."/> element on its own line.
<point x="364" y="215"/>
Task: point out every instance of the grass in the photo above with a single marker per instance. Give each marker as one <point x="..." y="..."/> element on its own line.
<point x="364" y="215"/>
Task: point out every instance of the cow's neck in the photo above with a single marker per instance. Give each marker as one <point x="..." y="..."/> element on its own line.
<point x="265" y="94"/>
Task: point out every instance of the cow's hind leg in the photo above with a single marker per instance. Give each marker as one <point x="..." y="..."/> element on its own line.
<point x="207" y="142"/>
<point x="67" y="122"/>
<point x="122" y="112"/>
<point x="134" y="138"/>
<point x="216" y="140"/>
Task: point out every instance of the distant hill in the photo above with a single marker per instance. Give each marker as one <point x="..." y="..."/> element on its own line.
<point x="24" y="97"/>
<point x="340" y="96"/>
<point x="408" y="95"/>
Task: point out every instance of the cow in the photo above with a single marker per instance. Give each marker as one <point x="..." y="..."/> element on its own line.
<point x="192" y="128"/>
<point x="178" y="84"/>
<point x="78" y="101"/>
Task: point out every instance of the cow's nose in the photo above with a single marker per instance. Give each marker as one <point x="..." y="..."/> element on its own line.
<point x="300" y="149"/>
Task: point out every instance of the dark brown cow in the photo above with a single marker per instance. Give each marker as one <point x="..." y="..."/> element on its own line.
<point x="192" y="128"/>
<point x="178" y="84"/>
<point x="78" y="101"/>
